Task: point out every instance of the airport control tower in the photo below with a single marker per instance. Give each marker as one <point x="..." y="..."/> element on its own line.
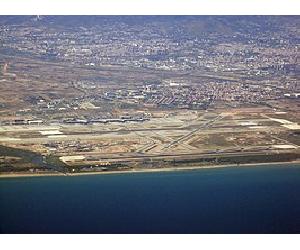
<point x="4" y="69"/>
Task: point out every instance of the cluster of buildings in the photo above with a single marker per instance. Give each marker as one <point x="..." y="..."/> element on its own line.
<point x="262" y="66"/>
<point x="199" y="96"/>
<point x="147" y="46"/>
<point x="132" y="103"/>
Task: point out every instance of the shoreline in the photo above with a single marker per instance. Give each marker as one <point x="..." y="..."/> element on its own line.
<point x="145" y="170"/>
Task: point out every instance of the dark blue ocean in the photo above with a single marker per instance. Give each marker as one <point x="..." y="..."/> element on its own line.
<point x="227" y="200"/>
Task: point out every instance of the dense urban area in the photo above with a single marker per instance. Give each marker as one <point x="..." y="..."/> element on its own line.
<point x="130" y="93"/>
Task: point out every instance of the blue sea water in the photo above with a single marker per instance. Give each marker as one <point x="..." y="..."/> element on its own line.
<point x="264" y="199"/>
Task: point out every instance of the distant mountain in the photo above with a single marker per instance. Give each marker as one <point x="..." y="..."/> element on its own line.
<point x="193" y="25"/>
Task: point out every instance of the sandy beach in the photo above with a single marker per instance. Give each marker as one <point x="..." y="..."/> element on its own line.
<point x="144" y="170"/>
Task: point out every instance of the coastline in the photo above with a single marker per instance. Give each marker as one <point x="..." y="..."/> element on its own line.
<point x="145" y="170"/>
